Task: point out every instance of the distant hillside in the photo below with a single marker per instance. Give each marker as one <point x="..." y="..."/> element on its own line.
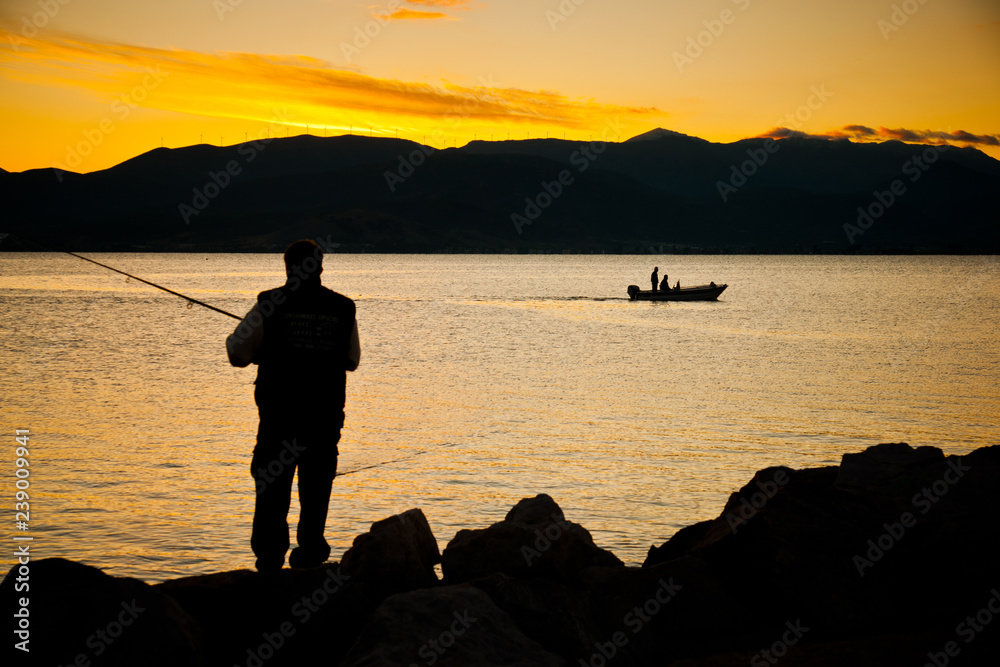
<point x="661" y="189"/>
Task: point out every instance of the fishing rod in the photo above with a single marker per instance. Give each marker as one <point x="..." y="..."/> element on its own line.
<point x="124" y="273"/>
<point x="210" y="307"/>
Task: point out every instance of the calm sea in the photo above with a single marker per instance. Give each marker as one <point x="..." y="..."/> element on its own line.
<point x="499" y="376"/>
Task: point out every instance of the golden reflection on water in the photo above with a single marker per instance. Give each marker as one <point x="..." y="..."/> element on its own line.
<point x="506" y="376"/>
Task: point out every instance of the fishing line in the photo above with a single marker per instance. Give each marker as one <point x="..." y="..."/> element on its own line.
<point x="192" y="300"/>
<point x="383" y="463"/>
<point x="141" y="280"/>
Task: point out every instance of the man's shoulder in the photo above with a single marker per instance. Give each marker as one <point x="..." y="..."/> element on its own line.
<point x="331" y="300"/>
<point x="314" y="294"/>
<point x="269" y="294"/>
<point x="337" y="297"/>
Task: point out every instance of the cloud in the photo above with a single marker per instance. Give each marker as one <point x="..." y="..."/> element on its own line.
<point x="251" y="86"/>
<point x="987" y="139"/>
<point x="409" y="14"/>
<point x="863" y="133"/>
<point x="861" y="130"/>
<point x="457" y="4"/>
<point x="784" y="133"/>
<point x="901" y="134"/>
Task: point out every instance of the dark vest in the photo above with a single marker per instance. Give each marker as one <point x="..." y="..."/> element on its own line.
<point x="303" y="356"/>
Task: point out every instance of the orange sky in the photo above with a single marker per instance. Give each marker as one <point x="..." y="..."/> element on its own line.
<point x="87" y="85"/>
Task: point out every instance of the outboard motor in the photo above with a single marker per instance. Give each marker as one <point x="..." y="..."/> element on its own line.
<point x="632" y="291"/>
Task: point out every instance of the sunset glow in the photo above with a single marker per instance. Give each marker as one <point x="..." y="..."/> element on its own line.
<point x="86" y="87"/>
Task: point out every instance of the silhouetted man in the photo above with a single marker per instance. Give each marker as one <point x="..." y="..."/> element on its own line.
<point x="654" y="277"/>
<point x="303" y="338"/>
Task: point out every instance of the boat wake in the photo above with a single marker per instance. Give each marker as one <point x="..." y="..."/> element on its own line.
<point x="567" y="298"/>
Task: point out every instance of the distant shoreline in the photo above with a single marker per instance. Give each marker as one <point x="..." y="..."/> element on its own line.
<point x="13" y="249"/>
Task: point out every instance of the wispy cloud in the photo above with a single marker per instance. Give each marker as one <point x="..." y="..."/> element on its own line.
<point x="405" y="14"/>
<point x="456" y="4"/>
<point x="408" y="14"/>
<point x="865" y="133"/>
<point x="250" y="86"/>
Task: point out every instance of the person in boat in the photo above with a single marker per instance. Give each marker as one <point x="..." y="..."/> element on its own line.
<point x="654" y="277"/>
<point x="303" y="338"/>
<point x="665" y="283"/>
<point x="712" y="284"/>
<point x="678" y="286"/>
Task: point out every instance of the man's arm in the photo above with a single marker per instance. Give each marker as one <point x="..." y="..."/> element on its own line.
<point x="242" y="345"/>
<point x="354" y="349"/>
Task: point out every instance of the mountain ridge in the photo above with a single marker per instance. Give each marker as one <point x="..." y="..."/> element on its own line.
<point x="661" y="188"/>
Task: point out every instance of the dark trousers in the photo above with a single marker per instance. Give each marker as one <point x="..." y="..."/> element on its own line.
<point x="286" y="443"/>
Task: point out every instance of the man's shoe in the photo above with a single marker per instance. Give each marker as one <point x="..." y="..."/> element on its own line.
<point x="299" y="560"/>
<point x="269" y="565"/>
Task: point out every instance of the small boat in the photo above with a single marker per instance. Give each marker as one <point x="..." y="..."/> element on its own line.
<point x="696" y="293"/>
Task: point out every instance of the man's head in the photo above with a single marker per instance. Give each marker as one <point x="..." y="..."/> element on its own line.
<point x="304" y="259"/>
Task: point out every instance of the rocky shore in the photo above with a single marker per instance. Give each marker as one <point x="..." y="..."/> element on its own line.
<point x="888" y="559"/>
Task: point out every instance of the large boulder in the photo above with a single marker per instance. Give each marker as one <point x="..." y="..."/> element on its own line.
<point x="881" y="469"/>
<point x="897" y="539"/>
<point x="534" y="539"/>
<point x="445" y="626"/>
<point x="279" y="618"/>
<point x="80" y="615"/>
<point x="288" y="616"/>
<point x="397" y="554"/>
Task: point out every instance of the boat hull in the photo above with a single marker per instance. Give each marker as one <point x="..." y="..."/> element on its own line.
<point x="697" y="293"/>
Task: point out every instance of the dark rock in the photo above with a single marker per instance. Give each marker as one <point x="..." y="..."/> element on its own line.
<point x="398" y="553"/>
<point x="680" y="544"/>
<point x="445" y="626"/>
<point x="77" y="610"/>
<point x="878" y="561"/>
<point x="876" y="469"/>
<point x="280" y="618"/>
<point x="322" y="609"/>
<point x="536" y="511"/>
<point x="533" y="540"/>
<point x="557" y="616"/>
<point x="900" y="541"/>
